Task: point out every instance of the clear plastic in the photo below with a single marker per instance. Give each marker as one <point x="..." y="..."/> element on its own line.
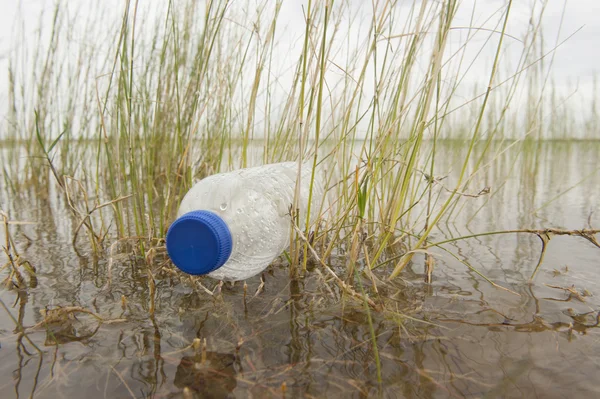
<point x="255" y="203"/>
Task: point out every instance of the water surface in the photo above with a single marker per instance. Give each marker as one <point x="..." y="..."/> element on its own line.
<point x="455" y="337"/>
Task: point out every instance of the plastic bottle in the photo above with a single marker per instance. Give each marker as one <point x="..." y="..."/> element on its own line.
<point x="231" y="226"/>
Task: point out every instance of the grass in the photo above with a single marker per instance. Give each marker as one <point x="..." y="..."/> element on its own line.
<point x="124" y="129"/>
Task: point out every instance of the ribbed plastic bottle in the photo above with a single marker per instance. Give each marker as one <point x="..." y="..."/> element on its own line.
<point x="231" y="226"/>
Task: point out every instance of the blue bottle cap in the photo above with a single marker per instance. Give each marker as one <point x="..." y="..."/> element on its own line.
<point x="199" y="242"/>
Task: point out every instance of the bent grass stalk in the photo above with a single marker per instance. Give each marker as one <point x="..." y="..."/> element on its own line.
<point x="418" y="245"/>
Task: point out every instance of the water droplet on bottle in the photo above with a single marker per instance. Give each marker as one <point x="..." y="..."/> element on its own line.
<point x="223" y="206"/>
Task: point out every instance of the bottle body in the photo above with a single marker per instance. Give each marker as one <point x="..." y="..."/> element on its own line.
<point x="255" y="205"/>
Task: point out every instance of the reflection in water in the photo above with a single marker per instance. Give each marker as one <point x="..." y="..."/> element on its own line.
<point x="457" y="336"/>
<point x="67" y="333"/>
<point x="208" y="375"/>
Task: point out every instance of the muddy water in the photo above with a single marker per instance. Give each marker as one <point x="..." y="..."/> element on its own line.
<point x="455" y="337"/>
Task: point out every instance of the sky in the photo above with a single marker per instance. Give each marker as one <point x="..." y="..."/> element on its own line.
<point x="576" y="61"/>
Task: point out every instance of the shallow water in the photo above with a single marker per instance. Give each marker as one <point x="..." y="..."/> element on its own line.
<point x="460" y="337"/>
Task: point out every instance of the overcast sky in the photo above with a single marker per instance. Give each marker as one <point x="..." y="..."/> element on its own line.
<point x="575" y="62"/>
